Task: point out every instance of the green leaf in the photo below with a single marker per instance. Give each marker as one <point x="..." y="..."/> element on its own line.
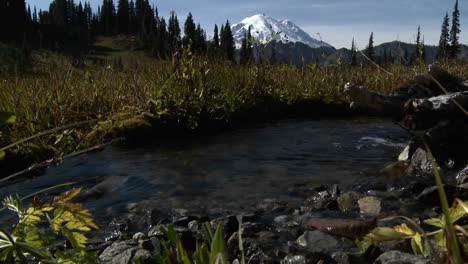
<point x="77" y="240"/>
<point x="416" y="244"/>
<point x="2" y="155"/>
<point x="7" y="118"/>
<point x="218" y="253"/>
<point x="381" y="234"/>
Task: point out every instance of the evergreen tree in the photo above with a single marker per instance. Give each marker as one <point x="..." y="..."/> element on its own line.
<point x="249" y="44"/>
<point x="423" y="51"/>
<point x="123" y="16"/>
<point x="370" y="47"/>
<point x="132" y="19"/>
<point x="173" y="33"/>
<point x="35" y="18"/>
<point x="189" y="33"/>
<point x="243" y="55"/>
<point x="454" y="49"/>
<point x="227" y="42"/>
<point x="161" y="39"/>
<point x="353" y="53"/>
<point x="108" y="17"/>
<point x="418" y="43"/>
<point x="216" y="37"/>
<point x="442" y="52"/>
<point x="200" y="40"/>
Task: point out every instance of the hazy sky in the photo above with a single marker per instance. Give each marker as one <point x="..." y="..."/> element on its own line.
<point x="337" y="21"/>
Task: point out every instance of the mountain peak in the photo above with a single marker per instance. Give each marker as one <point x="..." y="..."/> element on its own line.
<point x="264" y="27"/>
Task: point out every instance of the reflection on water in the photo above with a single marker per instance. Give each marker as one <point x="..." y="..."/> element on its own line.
<point x="230" y="170"/>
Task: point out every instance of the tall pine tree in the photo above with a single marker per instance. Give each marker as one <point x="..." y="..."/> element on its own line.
<point x="353" y="53"/>
<point x="370" y="47"/>
<point x="227" y="42"/>
<point x="173" y="33"/>
<point x="444" y="46"/>
<point x="215" y="37"/>
<point x="454" y="33"/>
<point x="123" y="16"/>
<point x="189" y="33"/>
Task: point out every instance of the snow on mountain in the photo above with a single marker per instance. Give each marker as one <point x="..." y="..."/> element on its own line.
<point x="263" y="27"/>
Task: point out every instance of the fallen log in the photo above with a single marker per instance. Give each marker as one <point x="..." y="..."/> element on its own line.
<point x="426" y="112"/>
<point x="422" y="86"/>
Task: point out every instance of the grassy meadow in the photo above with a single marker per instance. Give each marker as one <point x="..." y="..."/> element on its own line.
<point x="127" y="92"/>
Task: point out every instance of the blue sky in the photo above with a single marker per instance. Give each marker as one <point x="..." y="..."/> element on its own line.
<point x="337" y="21"/>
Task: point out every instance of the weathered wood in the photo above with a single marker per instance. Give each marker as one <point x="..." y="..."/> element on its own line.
<point x="420" y="87"/>
<point x="381" y="104"/>
<point x="427" y="112"/>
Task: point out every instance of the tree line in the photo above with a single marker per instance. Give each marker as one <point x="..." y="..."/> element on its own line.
<point x="448" y="48"/>
<point x="67" y="25"/>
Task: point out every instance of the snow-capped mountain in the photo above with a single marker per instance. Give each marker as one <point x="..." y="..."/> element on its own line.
<point x="264" y="27"/>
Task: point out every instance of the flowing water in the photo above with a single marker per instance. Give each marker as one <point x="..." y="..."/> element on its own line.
<point x="231" y="170"/>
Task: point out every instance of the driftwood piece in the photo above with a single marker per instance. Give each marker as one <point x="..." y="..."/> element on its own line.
<point x="381" y="104"/>
<point x="425" y="113"/>
<point x="420" y="87"/>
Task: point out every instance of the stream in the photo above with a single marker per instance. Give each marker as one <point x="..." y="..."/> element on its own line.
<point x="230" y="171"/>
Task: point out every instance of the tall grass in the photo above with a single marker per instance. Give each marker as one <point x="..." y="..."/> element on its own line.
<point x="58" y="93"/>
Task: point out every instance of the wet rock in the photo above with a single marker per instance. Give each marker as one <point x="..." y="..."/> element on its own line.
<point x="462" y="176"/>
<point x="320" y="242"/>
<point x="397" y="169"/>
<point x="398" y="257"/>
<point x="119" y="252"/>
<point x="421" y="161"/>
<point x="146" y="244"/>
<point x="348" y="202"/>
<point x="139" y="236"/>
<point x="144" y="256"/>
<point x="324" y="198"/>
<point x="341" y="257"/>
<point x="193" y="225"/>
<point x="370" y="205"/>
<point x="342" y="224"/>
<point x="405" y="154"/>
<point x="294" y="259"/>
<point x="229" y="224"/>
<point x="282" y="219"/>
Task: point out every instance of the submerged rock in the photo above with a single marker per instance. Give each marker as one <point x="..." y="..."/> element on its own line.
<point x="320" y="242"/>
<point x="398" y="257"/>
<point x="370" y="205"/>
<point x="348" y="202"/>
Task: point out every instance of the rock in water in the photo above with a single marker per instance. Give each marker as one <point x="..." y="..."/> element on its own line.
<point x="320" y="242"/>
<point x="397" y="257"/>
<point x="370" y="205"/>
<point x="348" y="202"/>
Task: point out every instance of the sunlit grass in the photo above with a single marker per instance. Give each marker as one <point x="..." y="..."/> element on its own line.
<point x="58" y="92"/>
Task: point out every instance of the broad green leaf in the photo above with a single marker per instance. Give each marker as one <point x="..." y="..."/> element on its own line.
<point x="218" y="252"/>
<point x="7" y="118"/>
<point x="37" y="252"/>
<point x="441" y="240"/>
<point x="381" y="234"/>
<point x="416" y="244"/>
<point x="434" y="222"/>
<point x="77" y="240"/>
<point x="182" y="254"/>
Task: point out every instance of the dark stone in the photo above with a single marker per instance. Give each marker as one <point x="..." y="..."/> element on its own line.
<point x="320" y="242"/>
<point x="398" y="257"/>
<point x="342" y="224"/>
<point x="348" y="202"/>
<point x="119" y="252"/>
